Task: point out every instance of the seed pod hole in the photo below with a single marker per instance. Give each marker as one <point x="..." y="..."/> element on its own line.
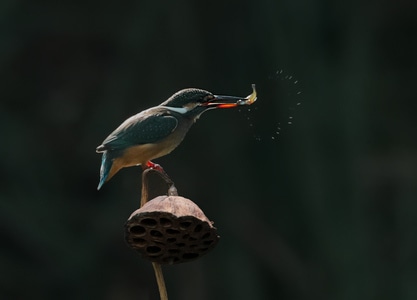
<point x="156" y="233"/>
<point x="153" y="249"/>
<point x="165" y="222"/>
<point x="185" y="225"/>
<point x="139" y="242"/>
<point x="137" y="229"/>
<point x="149" y="222"/>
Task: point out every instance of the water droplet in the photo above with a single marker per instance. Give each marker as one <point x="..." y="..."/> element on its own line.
<point x="290" y="77"/>
<point x="295" y="82"/>
<point x="299" y="103"/>
<point x="289" y="123"/>
<point x="272" y="137"/>
<point x="298" y="93"/>
<point x="290" y="117"/>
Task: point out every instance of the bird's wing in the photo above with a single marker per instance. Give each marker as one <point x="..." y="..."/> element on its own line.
<point x="139" y="130"/>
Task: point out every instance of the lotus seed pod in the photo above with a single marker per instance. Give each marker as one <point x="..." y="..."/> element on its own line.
<point x="170" y="230"/>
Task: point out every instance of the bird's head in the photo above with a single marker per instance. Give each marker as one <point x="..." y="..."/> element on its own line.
<point x="193" y="102"/>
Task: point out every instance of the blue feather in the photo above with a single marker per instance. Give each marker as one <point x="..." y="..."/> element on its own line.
<point x="106" y="164"/>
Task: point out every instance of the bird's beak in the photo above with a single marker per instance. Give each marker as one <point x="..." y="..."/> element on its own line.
<point x="220" y="101"/>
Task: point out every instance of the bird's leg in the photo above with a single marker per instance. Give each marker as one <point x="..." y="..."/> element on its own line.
<point x="153" y="166"/>
<point x="150" y="166"/>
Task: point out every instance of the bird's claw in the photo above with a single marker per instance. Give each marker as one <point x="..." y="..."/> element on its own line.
<point x="156" y="167"/>
<point x="161" y="171"/>
<point x="153" y="165"/>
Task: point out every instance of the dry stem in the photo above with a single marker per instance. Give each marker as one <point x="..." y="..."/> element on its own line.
<point x="160" y="280"/>
<point x="172" y="191"/>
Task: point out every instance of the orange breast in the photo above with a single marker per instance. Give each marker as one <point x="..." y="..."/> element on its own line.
<point x="141" y="154"/>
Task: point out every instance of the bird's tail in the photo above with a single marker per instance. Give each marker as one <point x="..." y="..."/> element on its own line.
<point x="106" y="164"/>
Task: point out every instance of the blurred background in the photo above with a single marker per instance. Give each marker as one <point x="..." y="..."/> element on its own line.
<point x="313" y="189"/>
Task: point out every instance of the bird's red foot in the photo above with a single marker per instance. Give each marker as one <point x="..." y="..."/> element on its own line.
<point x="155" y="166"/>
<point x="160" y="170"/>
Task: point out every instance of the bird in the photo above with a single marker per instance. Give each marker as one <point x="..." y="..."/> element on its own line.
<point x="157" y="131"/>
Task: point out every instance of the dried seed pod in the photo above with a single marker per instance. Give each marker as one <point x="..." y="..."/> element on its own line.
<point x="170" y="230"/>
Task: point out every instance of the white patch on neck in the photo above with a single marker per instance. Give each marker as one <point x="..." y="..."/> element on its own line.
<point x="180" y="110"/>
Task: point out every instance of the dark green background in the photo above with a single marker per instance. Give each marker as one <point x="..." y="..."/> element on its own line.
<point x="325" y="210"/>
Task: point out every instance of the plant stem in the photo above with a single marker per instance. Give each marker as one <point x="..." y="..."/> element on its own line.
<point x="160" y="280"/>
<point x="172" y="191"/>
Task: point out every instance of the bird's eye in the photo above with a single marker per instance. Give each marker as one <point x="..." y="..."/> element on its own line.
<point x="208" y="98"/>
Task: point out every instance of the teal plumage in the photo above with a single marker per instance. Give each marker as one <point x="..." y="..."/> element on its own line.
<point x="138" y="130"/>
<point x="156" y="131"/>
<point x="106" y="163"/>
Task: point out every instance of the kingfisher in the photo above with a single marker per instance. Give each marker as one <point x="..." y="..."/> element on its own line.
<point x="157" y="131"/>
